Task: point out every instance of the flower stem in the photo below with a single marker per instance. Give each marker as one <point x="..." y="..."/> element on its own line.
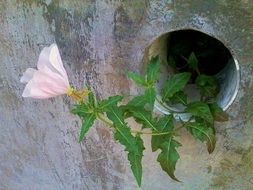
<point x="105" y="120"/>
<point x="102" y="118"/>
<point x="77" y="95"/>
<point x="151" y="133"/>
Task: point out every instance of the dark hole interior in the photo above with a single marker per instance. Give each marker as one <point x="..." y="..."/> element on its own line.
<point x="212" y="55"/>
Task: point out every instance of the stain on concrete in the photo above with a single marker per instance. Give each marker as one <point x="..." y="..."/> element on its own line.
<point x="235" y="172"/>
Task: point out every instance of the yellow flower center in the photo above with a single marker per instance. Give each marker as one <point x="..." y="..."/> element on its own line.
<point x="69" y="91"/>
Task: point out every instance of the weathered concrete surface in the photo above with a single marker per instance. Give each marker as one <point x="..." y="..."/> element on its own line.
<point x="99" y="40"/>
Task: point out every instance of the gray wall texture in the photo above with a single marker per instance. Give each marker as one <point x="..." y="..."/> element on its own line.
<point x="98" y="41"/>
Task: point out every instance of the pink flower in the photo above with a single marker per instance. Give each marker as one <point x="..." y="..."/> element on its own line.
<point x="50" y="79"/>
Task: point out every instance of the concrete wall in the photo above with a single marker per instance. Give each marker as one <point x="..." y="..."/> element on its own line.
<point x="99" y="40"/>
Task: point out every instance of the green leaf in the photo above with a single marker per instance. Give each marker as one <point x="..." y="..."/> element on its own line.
<point x="205" y="80"/>
<point x="169" y="157"/>
<point x="193" y="61"/>
<point x="153" y="70"/>
<point x="122" y="133"/>
<point x="200" y="109"/>
<point x="150" y="95"/>
<point x="139" y="80"/>
<point x="143" y="117"/>
<point x="133" y="145"/>
<point x="218" y="113"/>
<point x="179" y="98"/>
<point x="111" y="101"/>
<point x="138" y="101"/>
<point x="81" y="109"/>
<point x="174" y="84"/>
<point x="203" y="133"/>
<point x="88" y="121"/>
<point x="91" y="99"/>
<point x="165" y="124"/>
<point x="207" y="85"/>
<point x="135" y="160"/>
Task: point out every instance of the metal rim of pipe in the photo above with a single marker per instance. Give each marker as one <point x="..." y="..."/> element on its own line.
<point x="228" y="77"/>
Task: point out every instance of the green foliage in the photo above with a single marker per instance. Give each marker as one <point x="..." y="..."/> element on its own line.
<point x="134" y="145"/>
<point x="150" y="95"/>
<point x="153" y="70"/>
<point x="218" y="113"/>
<point x="162" y="128"/>
<point x="200" y="109"/>
<point x="164" y="124"/>
<point x="193" y="61"/>
<point x="203" y="132"/>
<point x="104" y="105"/>
<point x="91" y="100"/>
<point x="179" y="98"/>
<point x="135" y="159"/>
<point x="137" y="79"/>
<point x="174" y="84"/>
<point x="143" y="117"/>
<point x="207" y="86"/>
<point x="169" y="157"/>
<point x="138" y="101"/>
<point x="81" y="110"/>
<point x="151" y="74"/>
<point x="88" y="120"/>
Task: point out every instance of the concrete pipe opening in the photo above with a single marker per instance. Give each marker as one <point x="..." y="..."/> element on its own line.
<point x="217" y="61"/>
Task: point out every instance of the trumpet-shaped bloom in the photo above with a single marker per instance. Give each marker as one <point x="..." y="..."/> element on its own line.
<point x="50" y="79"/>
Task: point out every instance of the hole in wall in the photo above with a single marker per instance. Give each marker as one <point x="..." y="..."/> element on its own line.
<point x="214" y="59"/>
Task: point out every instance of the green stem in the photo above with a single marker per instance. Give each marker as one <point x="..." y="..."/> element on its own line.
<point x="102" y="118"/>
<point x="151" y="133"/>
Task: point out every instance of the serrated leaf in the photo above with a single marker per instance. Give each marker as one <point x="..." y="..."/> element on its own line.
<point x="200" y="109"/>
<point x="179" y="98"/>
<point x="218" y="113"/>
<point x="193" y="61"/>
<point x="111" y="101"/>
<point x="87" y="123"/>
<point x="135" y="160"/>
<point x="143" y="117"/>
<point x="207" y="85"/>
<point x="174" y="84"/>
<point x="153" y="70"/>
<point x="169" y="157"/>
<point x="150" y="95"/>
<point x="132" y="144"/>
<point x="164" y="124"/>
<point x="81" y="109"/>
<point x="139" y="80"/>
<point x="138" y="101"/>
<point x="91" y="99"/>
<point x="122" y="133"/>
<point x="203" y="133"/>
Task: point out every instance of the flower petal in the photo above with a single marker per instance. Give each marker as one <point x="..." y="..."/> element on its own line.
<point x="44" y="85"/>
<point x="50" y="59"/>
<point x="27" y="76"/>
